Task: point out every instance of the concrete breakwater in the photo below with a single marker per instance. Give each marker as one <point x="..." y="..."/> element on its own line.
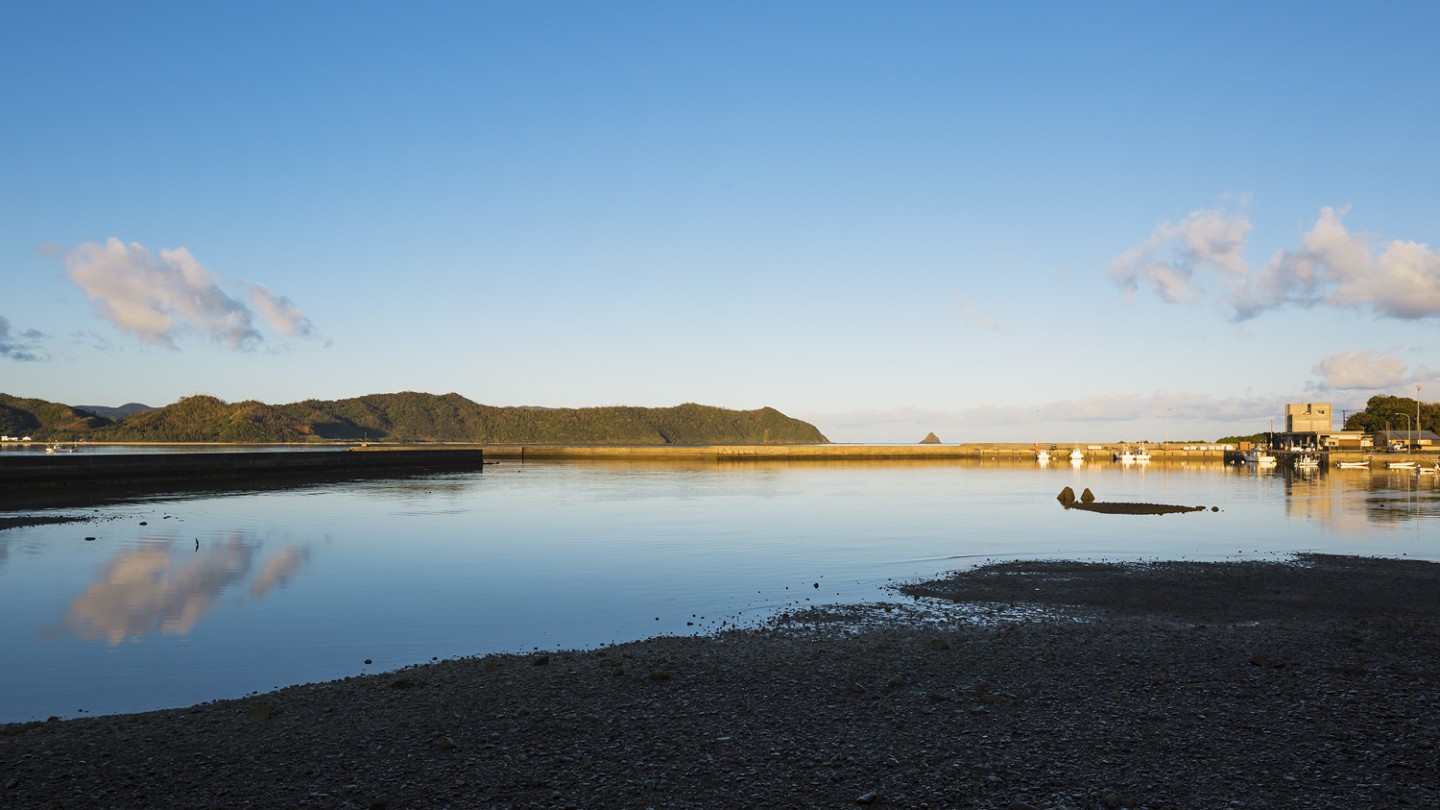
<point x="832" y="452"/>
<point x="76" y="477"/>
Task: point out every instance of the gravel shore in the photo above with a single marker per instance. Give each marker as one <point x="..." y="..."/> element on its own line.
<point x="1165" y="685"/>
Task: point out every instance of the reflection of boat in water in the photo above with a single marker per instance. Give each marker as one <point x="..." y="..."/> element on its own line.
<point x="1042" y="456"/>
<point x="1433" y="470"/>
<point x="1353" y="465"/>
<point x="1401" y="465"/>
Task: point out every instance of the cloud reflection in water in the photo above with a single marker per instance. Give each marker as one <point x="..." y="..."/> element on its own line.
<point x="156" y="587"/>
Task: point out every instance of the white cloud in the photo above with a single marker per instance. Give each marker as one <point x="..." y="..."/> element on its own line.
<point x="280" y="313"/>
<point x="1175" y="254"/>
<point x="972" y="315"/>
<point x="1103" y="417"/>
<point x="1122" y="407"/>
<point x="1368" y="370"/>
<point x="20" y="345"/>
<point x="1331" y="267"/>
<point x="159" y="296"/>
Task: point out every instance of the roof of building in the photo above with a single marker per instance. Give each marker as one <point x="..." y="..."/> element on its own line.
<point x="1409" y="435"/>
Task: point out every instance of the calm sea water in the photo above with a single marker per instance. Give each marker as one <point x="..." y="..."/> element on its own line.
<point x="183" y="600"/>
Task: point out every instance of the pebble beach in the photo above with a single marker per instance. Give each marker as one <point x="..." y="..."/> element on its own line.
<point x="1051" y="685"/>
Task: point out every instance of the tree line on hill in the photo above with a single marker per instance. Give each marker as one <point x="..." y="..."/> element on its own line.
<point x="404" y="417"/>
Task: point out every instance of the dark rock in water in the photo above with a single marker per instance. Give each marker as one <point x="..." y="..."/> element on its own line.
<point x="930" y="438"/>
<point x="1088" y="503"/>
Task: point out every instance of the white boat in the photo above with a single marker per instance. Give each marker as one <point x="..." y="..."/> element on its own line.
<point x="1124" y="456"/>
<point x="1306" y="462"/>
<point x="1042" y="456"/>
<point x="1257" y="457"/>
<point x="1142" y="455"/>
<point x="1401" y="465"/>
<point x="1076" y="455"/>
<point x="1353" y="465"/>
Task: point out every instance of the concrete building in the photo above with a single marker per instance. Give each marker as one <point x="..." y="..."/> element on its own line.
<point x="1309" y="417"/>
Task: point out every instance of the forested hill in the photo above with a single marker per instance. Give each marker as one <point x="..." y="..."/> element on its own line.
<point x="38" y="418"/>
<point x="1383" y="412"/>
<point x="427" y="417"/>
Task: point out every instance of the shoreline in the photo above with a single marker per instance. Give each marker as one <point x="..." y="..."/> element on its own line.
<point x="1145" y="685"/>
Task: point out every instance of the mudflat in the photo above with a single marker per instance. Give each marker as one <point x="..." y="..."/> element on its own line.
<point x="1058" y="685"/>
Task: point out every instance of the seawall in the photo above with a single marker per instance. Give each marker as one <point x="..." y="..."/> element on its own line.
<point x="79" y="477"/>
<point x="827" y="452"/>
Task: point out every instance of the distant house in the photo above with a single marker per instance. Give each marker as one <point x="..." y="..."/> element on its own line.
<point x="1349" y="439"/>
<point x="1406" y="438"/>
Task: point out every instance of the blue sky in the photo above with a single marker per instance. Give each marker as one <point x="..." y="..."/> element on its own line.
<point x="994" y="221"/>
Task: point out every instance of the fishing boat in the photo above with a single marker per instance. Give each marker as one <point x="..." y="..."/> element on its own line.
<point x="1142" y="455"/>
<point x="1076" y="455"/>
<point x="1042" y="456"/>
<point x="1306" y="462"/>
<point x="1259" y="458"/>
<point x="1123" y="456"/>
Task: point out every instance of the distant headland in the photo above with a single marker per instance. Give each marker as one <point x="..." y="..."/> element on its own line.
<point x="400" y="417"/>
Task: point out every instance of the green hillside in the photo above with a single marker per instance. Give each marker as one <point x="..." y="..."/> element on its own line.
<point x="415" y="417"/>
<point x="40" y="419"/>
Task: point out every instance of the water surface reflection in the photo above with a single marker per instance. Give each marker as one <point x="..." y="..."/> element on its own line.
<point x="168" y="587"/>
<point x="186" y="599"/>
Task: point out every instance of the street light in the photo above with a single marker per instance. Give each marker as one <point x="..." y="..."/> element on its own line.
<point x="1407" y="430"/>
